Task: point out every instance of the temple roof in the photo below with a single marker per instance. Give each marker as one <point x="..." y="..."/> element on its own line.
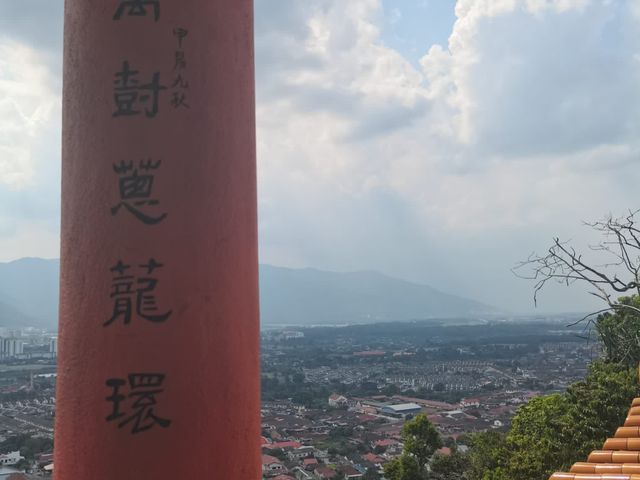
<point x="619" y="458"/>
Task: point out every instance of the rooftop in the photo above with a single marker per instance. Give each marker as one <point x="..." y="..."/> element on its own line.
<point x="619" y="458"/>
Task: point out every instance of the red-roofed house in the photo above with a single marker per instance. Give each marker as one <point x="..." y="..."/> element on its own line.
<point x="370" y="353"/>
<point x="387" y="442"/>
<point x="373" y="458"/>
<point x="309" y="463"/>
<point x="444" y="451"/>
<point x="366" y="418"/>
<point x="300" y="453"/>
<point x="350" y="473"/>
<point x="272" y="466"/>
<point x="283" y="445"/>
<point x="323" y="472"/>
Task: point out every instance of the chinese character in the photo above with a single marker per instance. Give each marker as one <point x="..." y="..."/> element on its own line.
<point x="178" y="95"/>
<point x="180" y="82"/>
<point x="135" y="190"/>
<point x="180" y="61"/>
<point x="143" y="388"/>
<point x="180" y="34"/>
<point x="128" y="93"/>
<point x="178" y="99"/>
<point x="137" y="8"/>
<point x="123" y="294"/>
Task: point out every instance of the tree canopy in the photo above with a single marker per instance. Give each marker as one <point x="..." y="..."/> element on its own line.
<point x="421" y="440"/>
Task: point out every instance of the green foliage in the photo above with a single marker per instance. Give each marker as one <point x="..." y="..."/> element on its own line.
<point x="379" y="449"/>
<point x="288" y="386"/>
<point x="405" y="467"/>
<point x="449" y="467"/>
<point x="538" y="441"/>
<point x="29" y="446"/>
<point x="341" y="433"/>
<point x="600" y="404"/>
<point x="552" y="432"/>
<point x="487" y="452"/>
<point x="421" y="439"/>
<point x="371" y="474"/>
<point x="279" y="454"/>
<point x="618" y="332"/>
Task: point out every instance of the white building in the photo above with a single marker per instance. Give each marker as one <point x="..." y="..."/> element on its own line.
<point x="11" y="458"/>
<point x="402" y="409"/>
<point x="11" y="347"/>
<point x="53" y="346"/>
<point x="337" y="401"/>
<point x="470" y="403"/>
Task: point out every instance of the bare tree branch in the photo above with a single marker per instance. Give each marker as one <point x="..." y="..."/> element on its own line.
<point x="619" y="254"/>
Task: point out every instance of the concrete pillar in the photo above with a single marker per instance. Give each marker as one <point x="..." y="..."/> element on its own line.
<point x="158" y="372"/>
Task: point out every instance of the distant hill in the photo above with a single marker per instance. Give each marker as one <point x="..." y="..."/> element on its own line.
<point x="310" y="296"/>
<point x="11" y="317"/>
<point x="29" y="296"/>
<point x="29" y="292"/>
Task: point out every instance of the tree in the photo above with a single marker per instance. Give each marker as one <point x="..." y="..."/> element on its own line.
<point x="619" y="253"/>
<point x="371" y="474"/>
<point x="449" y="467"/>
<point x="612" y="275"/>
<point x="390" y="389"/>
<point x="539" y="440"/>
<point x="421" y="439"/>
<point x="599" y="404"/>
<point x="405" y="467"/>
<point x="23" y="464"/>
<point x="487" y="452"/>
<point x="279" y="454"/>
<point x="552" y="432"/>
<point x="618" y="332"/>
<point x="28" y="446"/>
<point x="379" y="449"/>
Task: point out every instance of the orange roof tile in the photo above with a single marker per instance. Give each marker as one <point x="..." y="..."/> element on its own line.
<point x="619" y="458"/>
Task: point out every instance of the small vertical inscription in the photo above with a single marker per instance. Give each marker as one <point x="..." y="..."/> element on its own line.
<point x="133" y="401"/>
<point x="180" y="84"/>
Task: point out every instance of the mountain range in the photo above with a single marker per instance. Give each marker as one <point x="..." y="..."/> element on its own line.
<point x="29" y="297"/>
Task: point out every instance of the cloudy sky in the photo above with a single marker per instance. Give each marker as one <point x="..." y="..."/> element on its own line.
<point x="439" y="141"/>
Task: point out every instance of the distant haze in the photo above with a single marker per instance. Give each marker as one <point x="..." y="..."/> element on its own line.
<point x="29" y="297"/>
<point x="439" y="141"/>
<point x="310" y="296"/>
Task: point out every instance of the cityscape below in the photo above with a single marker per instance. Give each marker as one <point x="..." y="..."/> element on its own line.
<point x="334" y="399"/>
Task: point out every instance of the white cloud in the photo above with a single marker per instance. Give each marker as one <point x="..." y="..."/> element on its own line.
<point x="521" y="82"/>
<point x="527" y="120"/>
<point x="28" y="240"/>
<point x="27" y="102"/>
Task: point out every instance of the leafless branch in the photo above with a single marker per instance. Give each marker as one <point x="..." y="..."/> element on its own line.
<point x="620" y="252"/>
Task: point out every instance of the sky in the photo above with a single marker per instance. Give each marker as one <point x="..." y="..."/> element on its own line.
<point x="438" y="141"/>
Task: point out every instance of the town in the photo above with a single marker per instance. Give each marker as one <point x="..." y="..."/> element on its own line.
<point x="335" y="399"/>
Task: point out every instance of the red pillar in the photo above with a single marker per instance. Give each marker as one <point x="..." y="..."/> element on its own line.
<point x="158" y="372"/>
